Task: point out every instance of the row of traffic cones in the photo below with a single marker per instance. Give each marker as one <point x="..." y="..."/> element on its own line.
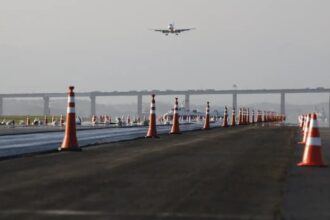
<point x="36" y="122"/>
<point x="244" y="118"/>
<point x="70" y="141"/>
<point x="106" y="119"/>
<point x="311" y="139"/>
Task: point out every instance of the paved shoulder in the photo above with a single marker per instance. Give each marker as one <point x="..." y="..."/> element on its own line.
<point x="308" y="192"/>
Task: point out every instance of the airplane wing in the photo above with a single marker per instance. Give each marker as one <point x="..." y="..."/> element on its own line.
<point x="162" y="30"/>
<point x="182" y="30"/>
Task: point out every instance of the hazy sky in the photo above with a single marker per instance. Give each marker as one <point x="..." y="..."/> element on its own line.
<point x="106" y="45"/>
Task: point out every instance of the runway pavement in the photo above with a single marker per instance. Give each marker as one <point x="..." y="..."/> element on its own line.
<point x="308" y="192"/>
<point x="46" y="140"/>
<point x="233" y="173"/>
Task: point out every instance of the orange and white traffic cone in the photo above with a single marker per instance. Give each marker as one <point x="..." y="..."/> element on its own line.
<point x="62" y="120"/>
<point x="70" y="137"/>
<point x="244" y="116"/>
<point x="128" y="122"/>
<point x="252" y="119"/>
<point x="258" y="117"/>
<point x="248" y="116"/>
<point x="306" y="128"/>
<point x="312" y="153"/>
<point x="207" y="117"/>
<point x="152" y="131"/>
<point x="267" y="116"/>
<point x="175" y="126"/>
<point x="28" y="121"/>
<point x="233" y="118"/>
<point x="302" y="122"/>
<point x="53" y="119"/>
<point x="225" y="118"/>
<point x="46" y="120"/>
<point x="94" y="120"/>
<point x="264" y="117"/>
<point x="240" y="121"/>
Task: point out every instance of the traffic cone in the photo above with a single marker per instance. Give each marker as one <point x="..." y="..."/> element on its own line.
<point x="152" y="131"/>
<point x="70" y="137"/>
<point x="94" y="120"/>
<point x="175" y="126"/>
<point x="312" y="153"/>
<point x="306" y="128"/>
<point x="248" y="116"/>
<point x="240" y="117"/>
<point x="62" y="120"/>
<point x="46" y="120"/>
<point x="267" y="116"/>
<point x="244" y="114"/>
<point x="252" y="119"/>
<point x="207" y="117"/>
<point x="233" y="118"/>
<point x="225" y="118"/>
<point x="263" y="116"/>
<point x="128" y="120"/>
<point x="53" y="121"/>
<point x="302" y="121"/>
<point x="259" y="118"/>
<point x="28" y="121"/>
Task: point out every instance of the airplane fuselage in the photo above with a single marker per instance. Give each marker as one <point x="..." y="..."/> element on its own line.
<point x="171" y="30"/>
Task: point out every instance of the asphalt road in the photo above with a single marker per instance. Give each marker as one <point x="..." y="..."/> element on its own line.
<point x="234" y="173"/>
<point x="17" y="144"/>
<point x="308" y="192"/>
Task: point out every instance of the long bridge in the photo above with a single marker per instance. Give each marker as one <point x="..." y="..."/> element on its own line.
<point x="187" y="93"/>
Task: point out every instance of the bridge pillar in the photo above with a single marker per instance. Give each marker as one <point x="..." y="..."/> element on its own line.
<point x="283" y="103"/>
<point x="93" y="105"/>
<point x="139" y="105"/>
<point x="1" y="105"/>
<point x="235" y="101"/>
<point x="46" y="105"/>
<point x="187" y="101"/>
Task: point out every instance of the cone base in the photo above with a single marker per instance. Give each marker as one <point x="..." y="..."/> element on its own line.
<point x="152" y="136"/>
<point x="175" y="133"/>
<point x="302" y="164"/>
<point x="77" y="149"/>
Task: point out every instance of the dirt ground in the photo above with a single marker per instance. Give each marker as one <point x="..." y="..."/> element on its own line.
<point x="234" y="173"/>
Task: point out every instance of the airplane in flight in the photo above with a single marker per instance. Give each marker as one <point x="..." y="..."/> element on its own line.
<point x="172" y="30"/>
